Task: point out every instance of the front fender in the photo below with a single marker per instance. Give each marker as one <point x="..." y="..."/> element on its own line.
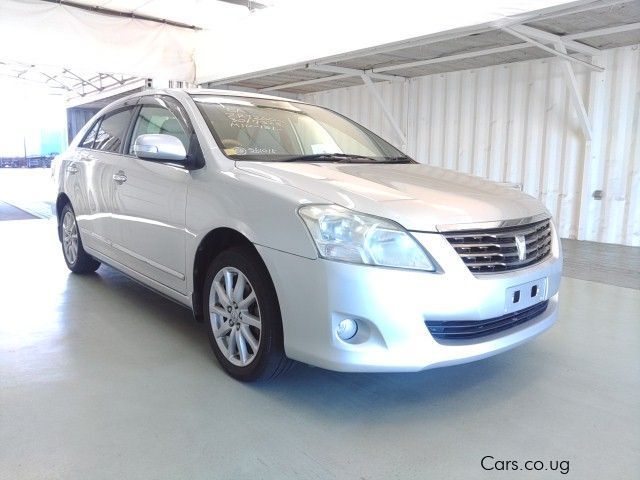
<point x="261" y="209"/>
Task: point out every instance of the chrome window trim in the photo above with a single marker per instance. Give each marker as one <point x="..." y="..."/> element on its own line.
<point x="515" y="222"/>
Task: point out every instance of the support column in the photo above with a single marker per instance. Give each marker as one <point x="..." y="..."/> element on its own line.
<point x="385" y="109"/>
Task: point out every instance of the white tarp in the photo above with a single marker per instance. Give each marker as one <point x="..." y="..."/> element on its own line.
<point x="40" y="33"/>
<point x="299" y="31"/>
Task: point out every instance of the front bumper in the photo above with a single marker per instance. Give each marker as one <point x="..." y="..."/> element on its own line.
<point x="391" y="307"/>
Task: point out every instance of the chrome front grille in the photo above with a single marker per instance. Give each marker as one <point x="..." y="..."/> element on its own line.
<point x="502" y="249"/>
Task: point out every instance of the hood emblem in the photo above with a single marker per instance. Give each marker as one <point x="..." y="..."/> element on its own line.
<point x="521" y="245"/>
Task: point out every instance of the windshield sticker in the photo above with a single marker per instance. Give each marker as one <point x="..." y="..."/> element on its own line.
<point x="250" y="151"/>
<point x="319" y="148"/>
<point x="241" y="119"/>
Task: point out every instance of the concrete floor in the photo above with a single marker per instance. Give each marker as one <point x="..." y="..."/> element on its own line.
<point x="602" y="262"/>
<point x="28" y="189"/>
<point x="9" y="212"/>
<point x="102" y="379"/>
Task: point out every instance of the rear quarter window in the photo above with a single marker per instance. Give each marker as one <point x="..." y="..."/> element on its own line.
<point x="90" y="136"/>
<point x="113" y="127"/>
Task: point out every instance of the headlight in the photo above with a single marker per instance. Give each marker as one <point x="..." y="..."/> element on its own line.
<point x="348" y="236"/>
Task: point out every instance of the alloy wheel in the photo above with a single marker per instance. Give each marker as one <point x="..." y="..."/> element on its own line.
<point x="235" y="316"/>
<point x="70" y="237"/>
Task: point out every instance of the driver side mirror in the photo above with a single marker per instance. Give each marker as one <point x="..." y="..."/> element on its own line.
<point x="159" y="147"/>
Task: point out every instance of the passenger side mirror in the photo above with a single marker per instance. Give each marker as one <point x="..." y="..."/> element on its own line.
<point x="159" y="147"/>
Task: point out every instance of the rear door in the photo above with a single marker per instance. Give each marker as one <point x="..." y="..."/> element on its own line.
<point x="150" y="198"/>
<point x="76" y="172"/>
<point x="100" y="161"/>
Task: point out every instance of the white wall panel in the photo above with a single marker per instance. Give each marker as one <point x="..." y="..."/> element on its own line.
<point x="516" y="123"/>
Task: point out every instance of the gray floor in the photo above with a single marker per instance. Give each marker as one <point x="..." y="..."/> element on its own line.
<point x="9" y="212"/>
<point x="601" y="262"/>
<point x="30" y="190"/>
<point x="101" y="379"/>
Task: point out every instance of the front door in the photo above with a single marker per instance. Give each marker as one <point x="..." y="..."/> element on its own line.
<point x="149" y="205"/>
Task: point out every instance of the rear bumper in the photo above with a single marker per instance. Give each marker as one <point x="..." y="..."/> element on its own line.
<point x="391" y="307"/>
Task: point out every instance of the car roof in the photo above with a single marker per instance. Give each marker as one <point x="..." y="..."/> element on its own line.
<point x="232" y="93"/>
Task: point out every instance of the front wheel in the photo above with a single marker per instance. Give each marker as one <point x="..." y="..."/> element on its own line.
<point x="243" y="316"/>
<point x="75" y="256"/>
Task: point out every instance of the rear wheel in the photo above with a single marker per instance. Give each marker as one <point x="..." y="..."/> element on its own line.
<point x="243" y="316"/>
<point x="76" y="258"/>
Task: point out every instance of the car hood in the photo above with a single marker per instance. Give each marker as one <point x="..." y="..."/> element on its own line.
<point x="418" y="197"/>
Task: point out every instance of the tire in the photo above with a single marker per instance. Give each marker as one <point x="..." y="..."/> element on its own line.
<point x="74" y="254"/>
<point x="250" y="322"/>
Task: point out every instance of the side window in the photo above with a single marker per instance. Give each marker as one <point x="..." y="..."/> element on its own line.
<point x="112" y="131"/>
<point x="87" y="141"/>
<point x="154" y="119"/>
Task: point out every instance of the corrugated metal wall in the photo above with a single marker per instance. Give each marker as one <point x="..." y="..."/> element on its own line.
<point x="515" y="123"/>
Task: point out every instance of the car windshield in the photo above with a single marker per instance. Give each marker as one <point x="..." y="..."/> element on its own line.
<point x="279" y="131"/>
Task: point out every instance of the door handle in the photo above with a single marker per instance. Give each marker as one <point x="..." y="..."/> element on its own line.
<point x="119" y="177"/>
<point x="72" y="169"/>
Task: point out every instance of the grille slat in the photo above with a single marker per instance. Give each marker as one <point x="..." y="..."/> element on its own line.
<point x="495" y="250"/>
<point x="468" y="329"/>
<point x="489" y="254"/>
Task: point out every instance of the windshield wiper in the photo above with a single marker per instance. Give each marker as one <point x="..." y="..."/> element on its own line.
<point x="345" y="158"/>
<point x="400" y="159"/>
<point x="326" y="157"/>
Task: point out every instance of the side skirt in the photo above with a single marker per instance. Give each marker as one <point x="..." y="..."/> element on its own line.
<point x="180" y="299"/>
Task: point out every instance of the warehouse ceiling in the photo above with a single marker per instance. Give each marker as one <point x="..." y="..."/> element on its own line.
<point x="583" y="30"/>
<point x="125" y="41"/>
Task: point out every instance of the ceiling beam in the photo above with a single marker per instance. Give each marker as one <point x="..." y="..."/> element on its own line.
<point x="119" y="13"/>
<point x="354" y="72"/>
<point x="553" y="51"/>
<point x="250" y="4"/>
<point x="561" y="11"/>
<point x="450" y="58"/>
<point x="556" y="39"/>
<point x="252" y="75"/>
<point x="603" y="31"/>
<point x="311" y="81"/>
<point x="415" y="42"/>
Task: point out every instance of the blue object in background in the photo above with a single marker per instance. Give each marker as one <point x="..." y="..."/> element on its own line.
<point x="51" y="142"/>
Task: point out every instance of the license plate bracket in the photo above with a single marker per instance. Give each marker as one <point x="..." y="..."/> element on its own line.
<point x="525" y="295"/>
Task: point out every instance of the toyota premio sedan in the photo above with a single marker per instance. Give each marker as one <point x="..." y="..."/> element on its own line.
<point x="296" y="234"/>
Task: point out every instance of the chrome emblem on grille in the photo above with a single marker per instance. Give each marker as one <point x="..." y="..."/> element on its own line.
<point x="521" y="245"/>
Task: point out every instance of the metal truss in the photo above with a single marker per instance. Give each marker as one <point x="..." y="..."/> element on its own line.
<point x="71" y="82"/>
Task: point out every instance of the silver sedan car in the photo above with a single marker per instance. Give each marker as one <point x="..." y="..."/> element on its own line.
<point x="296" y="234"/>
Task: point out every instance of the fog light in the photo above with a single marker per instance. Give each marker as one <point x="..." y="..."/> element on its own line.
<point x="347" y="329"/>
